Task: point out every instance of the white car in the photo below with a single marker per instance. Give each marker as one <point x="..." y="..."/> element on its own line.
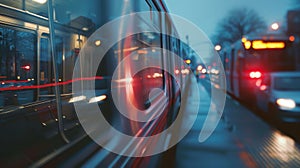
<point x="278" y="95"/>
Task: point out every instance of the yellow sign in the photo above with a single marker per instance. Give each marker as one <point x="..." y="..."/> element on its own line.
<point x="258" y="44"/>
<point x="247" y="44"/>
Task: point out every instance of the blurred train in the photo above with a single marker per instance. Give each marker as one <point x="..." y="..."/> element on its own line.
<point x="34" y="122"/>
<point x="248" y="60"/>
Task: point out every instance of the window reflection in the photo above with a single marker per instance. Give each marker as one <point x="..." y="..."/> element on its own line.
<point x="17" y="66"/>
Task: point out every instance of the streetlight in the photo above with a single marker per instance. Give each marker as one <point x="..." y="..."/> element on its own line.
<point x="218" y="47"/>
<point x="275" y="26"/>
<point x="188" y="61"/>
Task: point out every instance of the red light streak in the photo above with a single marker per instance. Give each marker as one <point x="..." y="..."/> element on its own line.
<point x="47" y="85"/>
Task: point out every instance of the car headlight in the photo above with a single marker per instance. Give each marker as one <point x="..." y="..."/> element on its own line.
<point x="286" y="103"/>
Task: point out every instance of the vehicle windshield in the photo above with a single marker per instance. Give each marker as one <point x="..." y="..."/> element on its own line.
<point x="287" y="83"/>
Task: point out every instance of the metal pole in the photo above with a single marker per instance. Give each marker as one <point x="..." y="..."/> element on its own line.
<point x="38" y="68"/>
<point x="297" y="52"/>
<point x="24" y="4"/>
<point x="55" y="70"/>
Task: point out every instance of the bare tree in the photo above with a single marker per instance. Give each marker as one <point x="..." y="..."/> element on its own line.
<point x="297" y="2"/>
<point x="238" y="22"/>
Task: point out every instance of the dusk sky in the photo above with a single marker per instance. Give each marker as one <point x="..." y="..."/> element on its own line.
<point x="206" y="14"/>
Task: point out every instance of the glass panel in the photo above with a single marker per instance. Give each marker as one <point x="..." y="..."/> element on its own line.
<point x="46" y="74"/>
<point x="46" y="65"/>
<point x="287" y="83"/>
<point x="34" y="6"/>
<point x="17" y="66"/>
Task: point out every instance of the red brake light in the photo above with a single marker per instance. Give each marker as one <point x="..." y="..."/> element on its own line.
<point x="258" y="82"/>
<point x="255" y="74"/>
<point x="263" y="87"/>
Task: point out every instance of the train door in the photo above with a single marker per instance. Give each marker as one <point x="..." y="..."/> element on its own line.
<point x="238" y="70"/>
<point x="235" y="74"/>
<point x="228" y="71"/>
<point x="239" y="67"/>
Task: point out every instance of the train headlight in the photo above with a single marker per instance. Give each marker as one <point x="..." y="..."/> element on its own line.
<point x="286" y="104"/>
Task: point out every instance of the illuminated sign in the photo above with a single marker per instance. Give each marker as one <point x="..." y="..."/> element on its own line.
<point x="259" y="44"/>
<point x="188" y="61"/>
<point x="247" y="44"/>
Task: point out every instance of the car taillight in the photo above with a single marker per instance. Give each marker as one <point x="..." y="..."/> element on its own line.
<point x="263" y="87"/>
<point x="258" y="82"/>
<point x="255" y="74"/>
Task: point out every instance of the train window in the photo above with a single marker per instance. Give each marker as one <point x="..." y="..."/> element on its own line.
<point x="16" y="3"/>
<point x="18" y="65"/>
<point x="157" y="20"/>
<point x="45" y="66"/>
<point x="145" y="6"/>
<point x="85" y="19"/>
<point x="31" y="6"/>
<point x="46" y="77"/>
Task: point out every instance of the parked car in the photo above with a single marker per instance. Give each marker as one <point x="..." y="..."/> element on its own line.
<point x="278" y="95"/>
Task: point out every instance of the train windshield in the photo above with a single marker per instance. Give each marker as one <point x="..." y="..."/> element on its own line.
<point x="271" y="59"/>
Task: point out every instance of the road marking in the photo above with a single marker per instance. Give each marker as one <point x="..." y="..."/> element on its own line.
<point x="248" y="160"/>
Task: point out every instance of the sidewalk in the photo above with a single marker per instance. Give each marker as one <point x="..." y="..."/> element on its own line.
<point x="218" y="150"/>
<point x="240" y="140"/>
